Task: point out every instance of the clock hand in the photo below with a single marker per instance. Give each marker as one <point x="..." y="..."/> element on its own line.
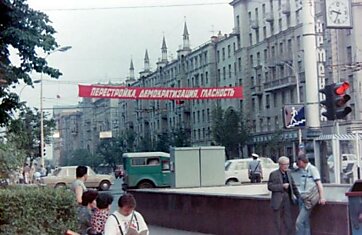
<point x="337" y="12"/>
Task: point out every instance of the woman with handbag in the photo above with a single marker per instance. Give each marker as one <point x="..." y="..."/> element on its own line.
<point x="311" y="190"/>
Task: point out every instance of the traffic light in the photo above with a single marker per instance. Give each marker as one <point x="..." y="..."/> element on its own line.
<point x="335" y="101"/>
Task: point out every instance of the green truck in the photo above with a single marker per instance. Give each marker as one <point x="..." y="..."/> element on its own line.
<point x="146" y="170"/>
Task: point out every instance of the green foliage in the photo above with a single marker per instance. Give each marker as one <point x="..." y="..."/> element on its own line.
<point x="229" y="130"/>
<point x="10" y="159"/>
<point x="146" y="143"/>
<point x="32" y="210"/>
<point x="181" y="138"/>
<point x="111" y="150"/>
<point x="82" y="157"/>
<point x="163" y="143"/>
<point x="24" y="131"/>
<point x="26" y="31"/>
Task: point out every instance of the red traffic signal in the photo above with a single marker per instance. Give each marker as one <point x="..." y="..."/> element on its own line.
<point x="335" y="101"/>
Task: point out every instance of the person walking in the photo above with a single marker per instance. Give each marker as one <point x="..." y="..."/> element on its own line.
<point x="78" y="186"/>
<point x="255" y="169"/>
<point x="126" y="220"/>
<point x="310" y="181"/>
<point x="85" y="211"/>
<point x="284" y="193"/>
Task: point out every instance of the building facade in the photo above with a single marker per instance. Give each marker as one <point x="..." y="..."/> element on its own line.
<point x="264" y="53"/>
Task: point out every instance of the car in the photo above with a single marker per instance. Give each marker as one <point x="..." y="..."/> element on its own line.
<point x="236" y="170"/>
<point x="65" y="175"/>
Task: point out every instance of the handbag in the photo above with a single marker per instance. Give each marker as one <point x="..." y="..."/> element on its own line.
<point x="310" y="198"/>
<point x="251" y="173"/>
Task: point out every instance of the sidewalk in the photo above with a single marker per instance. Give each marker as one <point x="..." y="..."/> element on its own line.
<point x="167" y="231"/>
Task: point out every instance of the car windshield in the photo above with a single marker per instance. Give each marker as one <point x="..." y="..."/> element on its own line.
<point x="56" y="171"/>
<point x="227" y="165"/>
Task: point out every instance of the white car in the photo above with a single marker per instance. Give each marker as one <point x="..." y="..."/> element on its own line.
<point x="236" y="170"/>
<point x="65" y="175"/>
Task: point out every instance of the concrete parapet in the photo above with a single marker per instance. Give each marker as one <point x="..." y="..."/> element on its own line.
<point x="220" y="214"/>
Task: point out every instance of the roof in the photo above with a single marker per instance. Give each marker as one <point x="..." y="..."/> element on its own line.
<point x="338" y="137"/>
<point x="146" y="154"/>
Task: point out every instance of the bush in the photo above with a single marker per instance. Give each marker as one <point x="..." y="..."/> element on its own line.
<point x="34" y="210"/>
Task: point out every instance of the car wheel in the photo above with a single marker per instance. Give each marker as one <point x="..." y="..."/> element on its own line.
<point x="104" y="185"/>
<point x="231" y="181"/>
<point x="60" y="185"/>
<point x="145" y="184"/>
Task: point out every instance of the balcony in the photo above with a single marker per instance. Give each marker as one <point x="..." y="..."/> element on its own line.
<point x="258" y="65"/>
<point x="269" y="17"/>
<point x="256" y="90"/>
<point x="254" y="24"/>
<point x="279" y="83"/>
<point x="286" y="8"/>
<point x="271" y="62"/>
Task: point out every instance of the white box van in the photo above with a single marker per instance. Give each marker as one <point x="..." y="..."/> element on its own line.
<point x="236" y="170"/>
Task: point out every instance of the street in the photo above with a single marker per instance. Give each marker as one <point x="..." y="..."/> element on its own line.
<point x="116" y="191"/>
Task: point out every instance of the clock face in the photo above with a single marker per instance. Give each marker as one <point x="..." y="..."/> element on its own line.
<point x="338" y="13"/>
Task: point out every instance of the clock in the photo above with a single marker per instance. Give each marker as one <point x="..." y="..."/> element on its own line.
<point x="338" y="14"/>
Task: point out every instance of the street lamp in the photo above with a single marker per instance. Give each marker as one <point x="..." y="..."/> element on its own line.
<point x="298" y="94"/>
<point x="61" y="49"/>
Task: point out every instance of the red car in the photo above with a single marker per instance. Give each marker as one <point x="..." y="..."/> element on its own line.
<point x="119" y="172"/>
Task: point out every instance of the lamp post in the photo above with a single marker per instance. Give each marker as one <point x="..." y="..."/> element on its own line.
<point x="61" y="49"/>
<point x="298" y="95"/>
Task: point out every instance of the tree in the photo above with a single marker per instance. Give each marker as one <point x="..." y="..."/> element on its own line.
<point x="24" y="131"/>
<point x="229" y="130"/>
<point x="112" y="150"/>
<point x="83" y="157"/>
<point x="181" y="138"/>
<point x="163" y="143"/>
<point x="25" y="31"/>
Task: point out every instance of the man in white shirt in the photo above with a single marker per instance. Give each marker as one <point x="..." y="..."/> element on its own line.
<point x="126" y="221"/>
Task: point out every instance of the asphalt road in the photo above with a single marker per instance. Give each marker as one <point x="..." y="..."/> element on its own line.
<point x="116" y="191"/>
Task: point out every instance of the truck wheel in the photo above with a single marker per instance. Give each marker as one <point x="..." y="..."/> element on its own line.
<point x="145" y="184"/>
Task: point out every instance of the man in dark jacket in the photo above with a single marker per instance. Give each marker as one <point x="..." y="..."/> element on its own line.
<point x="284" y="192"/>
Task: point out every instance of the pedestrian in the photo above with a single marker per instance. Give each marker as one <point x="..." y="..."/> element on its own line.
<point x="26" y="173"/>
<point x="43" y="171"/>
<point x="310" y="182"/>
<point x="255" y="169"/>
<point x="78" y="186"/>
<point x="100" y="215"/>
<point x="85" y="211"/>
<point x="126" y="220"/>
<point x="284" y="194"/>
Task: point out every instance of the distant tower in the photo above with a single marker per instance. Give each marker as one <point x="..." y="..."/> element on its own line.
<point x="147" y="62"/>
<point x="147" y="70"/>
<point x="131" y="71"/>
<point x="186" y="38"/>
<point x="185" y="49"/>
<point x="161" y="63"/>
<point x="164" y="50"/>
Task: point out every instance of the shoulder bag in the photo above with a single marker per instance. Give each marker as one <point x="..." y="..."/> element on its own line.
<point x="310" y="198"/>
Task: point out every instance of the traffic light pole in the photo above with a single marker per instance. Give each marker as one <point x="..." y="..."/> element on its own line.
<point x="311" y="81"/>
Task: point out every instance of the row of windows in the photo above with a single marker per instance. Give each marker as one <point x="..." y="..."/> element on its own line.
<point x="201" y="117"/>
<point x="223" y="55"/>
<point x="201" y="134"/>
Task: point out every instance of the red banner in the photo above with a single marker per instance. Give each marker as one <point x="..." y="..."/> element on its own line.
<point x="159" y="93"/>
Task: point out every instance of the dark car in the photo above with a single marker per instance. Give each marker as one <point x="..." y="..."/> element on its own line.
<point x="119" y="172"/>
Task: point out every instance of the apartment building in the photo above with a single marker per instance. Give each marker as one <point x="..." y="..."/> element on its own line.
<point x="264" y="53"/>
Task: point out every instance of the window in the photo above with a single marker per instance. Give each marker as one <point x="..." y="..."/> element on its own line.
<point x="349" y="55"/>
<point x="280" y="24"/>
<point x="229" y="70"/>
<point x="257" y="38"/>
<point x="224" y="73"/>
<point x="229" y="51"/>
<point x="264" y="32"/>
<point x="138" y="161"/>
<point x="251" y="39"/>
<point x="206" y="78"/>
<point x="223" y="54"/>
<point x="154" y="161"/>
<point x="165" y="165"/>
<point x="218" y="56"/>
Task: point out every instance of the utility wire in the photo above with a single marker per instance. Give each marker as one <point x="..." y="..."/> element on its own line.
<point x="137" y="7"/>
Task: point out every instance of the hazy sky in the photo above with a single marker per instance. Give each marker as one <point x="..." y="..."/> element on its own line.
<point x="106" y="34"/>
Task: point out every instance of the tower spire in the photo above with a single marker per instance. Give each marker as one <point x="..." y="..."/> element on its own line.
<point x="164" y="50"/>
<point x="131" y="70"/>
<point x="186" y="38"/>
<point x="147" y="62"/>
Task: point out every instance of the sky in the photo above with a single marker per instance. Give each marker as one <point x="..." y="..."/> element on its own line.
<point x="106" y="34"/>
